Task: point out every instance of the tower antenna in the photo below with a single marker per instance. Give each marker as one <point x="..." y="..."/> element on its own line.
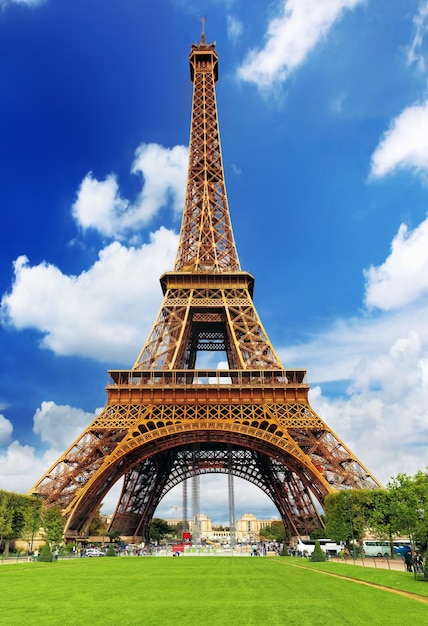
<point x="203" y="20"/>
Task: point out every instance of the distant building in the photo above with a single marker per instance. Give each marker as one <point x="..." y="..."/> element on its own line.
<point x="248" y="528"/>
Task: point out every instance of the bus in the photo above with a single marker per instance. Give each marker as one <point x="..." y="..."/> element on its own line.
<point x="375" y="547"/>
<point x="401" y="546"/>
<point x="305" y="547"/>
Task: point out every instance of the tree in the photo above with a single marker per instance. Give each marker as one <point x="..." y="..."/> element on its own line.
<point x="159" y="529"/>
<point x="347" y="514"/>
<point x="337" y="517"/>
<point x="274" y="532"/>
<point x="6" y="519"/>
<point x="318" y="533"/>
<point x="46" y="553"/>
<point x="32" y="519"/>
<point x="317" y="555"/>
<point x="409" y="506"/>
<point x="113" y="535"/>
<point x="53" y="525"/>
<point x="111" y="551"/>
<point x="98" y="526"/>
<point x="18" y="515"/>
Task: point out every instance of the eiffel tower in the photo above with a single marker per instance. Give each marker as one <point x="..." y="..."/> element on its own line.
<point x="165" y="421"/>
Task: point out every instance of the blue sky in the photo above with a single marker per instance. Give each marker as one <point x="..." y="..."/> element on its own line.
<point x="323" y="111"/>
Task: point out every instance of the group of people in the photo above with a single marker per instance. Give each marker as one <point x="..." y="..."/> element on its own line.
<point x="414" y="562"/>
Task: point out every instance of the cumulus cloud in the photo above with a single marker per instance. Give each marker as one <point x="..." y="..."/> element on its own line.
<point x="6" y="430"/>
<point x="20" y="467"/>
<point x="290" y="37"/>
<point x="57" y="426"/>
<point x="382" y="357"/>
<point x="403" y="277"/>
<point x="405" y="144"/>
<point x="384" y="417"/>
<point x="103" y="313"/>
<point x="100" y="205"/>
<point x="60" y="425"/>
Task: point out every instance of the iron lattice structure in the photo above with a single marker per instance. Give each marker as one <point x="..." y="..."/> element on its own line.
<point x="166" y="421"/>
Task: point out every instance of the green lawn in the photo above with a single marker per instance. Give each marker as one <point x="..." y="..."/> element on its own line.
<point x="202" y="590"/>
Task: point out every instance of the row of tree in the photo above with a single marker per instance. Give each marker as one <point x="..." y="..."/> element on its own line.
<point x="21" y="517"/>
<point x="399" y="510"/>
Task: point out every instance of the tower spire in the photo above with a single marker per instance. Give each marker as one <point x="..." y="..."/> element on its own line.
<point x="203" y="20"/>
<point x="206" y="241"/>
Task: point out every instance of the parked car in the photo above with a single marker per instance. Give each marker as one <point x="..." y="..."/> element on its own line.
<point x="94" y="552"/>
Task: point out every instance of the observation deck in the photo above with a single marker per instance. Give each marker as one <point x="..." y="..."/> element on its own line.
<point x="207" y="386"/>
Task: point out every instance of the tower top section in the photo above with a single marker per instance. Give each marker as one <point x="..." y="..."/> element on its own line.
<point x="206" y="241"/>
<point x="203" y="53"/>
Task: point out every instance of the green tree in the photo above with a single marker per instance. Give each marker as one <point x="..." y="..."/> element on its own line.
<point x="338" y="521"/>
<point x="111" y="551"/>
<point x="347" y="515"/>
<point x="159" y="529"/>
<point x="274" y="532"/>
<point x="53" y="525"/>
<point x="14" y="516"/>
<point x="32" y="519"/>
<point x="409" y="506"/>
<point x="113" y="535"/>
<point x="98" y="526"/>
<point x="319" y="533"/>
<point x="6" y="520"/>
<point x="317" y="555"/>
<point x="46" y="553"/>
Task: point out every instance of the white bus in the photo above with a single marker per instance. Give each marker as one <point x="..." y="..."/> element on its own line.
<point x="375" y="547"/>
<point x="305" y="547"/>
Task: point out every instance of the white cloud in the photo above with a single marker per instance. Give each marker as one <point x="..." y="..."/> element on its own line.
<point x="384" y="418"/>
<point x="290" y="37"/>
<point x="99" y="204"/>
<point x="415" y="54"/>
<point x="405" y="144"/>
<point x="6" y="430"/>
<point x="234" y="28"/>
<point x="403" y="277"/>
<point x="20" y="468"/>
<point x="103" y="313"/>
<point x="60" y="425"/>
<point x="30" y="3"/>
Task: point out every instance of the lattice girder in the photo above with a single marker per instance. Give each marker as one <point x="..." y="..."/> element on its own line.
<point x="169" y="345"/>
<point x="206" y="237"/>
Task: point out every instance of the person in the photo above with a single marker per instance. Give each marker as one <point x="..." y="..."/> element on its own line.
<point x="408" y="560"/>
<point x="418" y="563"/>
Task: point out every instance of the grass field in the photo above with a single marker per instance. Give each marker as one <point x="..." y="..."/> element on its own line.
<point x="204" y="590"/>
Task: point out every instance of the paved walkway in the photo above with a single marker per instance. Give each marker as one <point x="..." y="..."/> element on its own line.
<point x="376" y="562"/>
